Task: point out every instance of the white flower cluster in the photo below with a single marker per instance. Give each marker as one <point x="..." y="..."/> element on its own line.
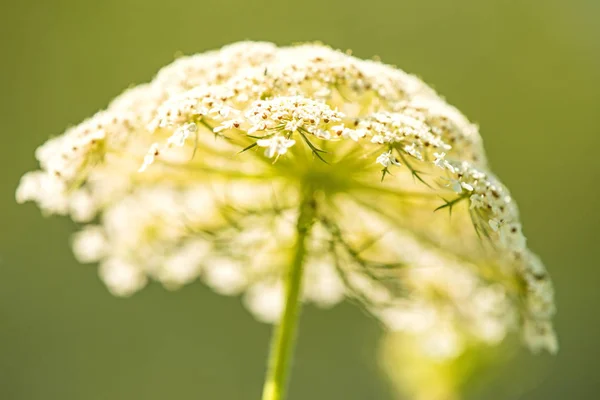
<point x="170" y="176"/>
<point x="177" y="235"/>
<point x="450" y="307"/>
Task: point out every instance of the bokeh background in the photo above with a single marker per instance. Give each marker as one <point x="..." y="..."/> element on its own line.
<point x="528" y="71"/>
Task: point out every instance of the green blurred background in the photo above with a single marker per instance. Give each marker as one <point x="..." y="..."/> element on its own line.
<point x="527" y="71"/>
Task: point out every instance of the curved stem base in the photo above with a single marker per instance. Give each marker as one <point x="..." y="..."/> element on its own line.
<point x="282" y="343"/>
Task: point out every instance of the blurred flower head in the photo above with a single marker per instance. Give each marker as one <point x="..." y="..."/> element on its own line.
<point x="466" y="374"/>
<point x="198" y="174"/>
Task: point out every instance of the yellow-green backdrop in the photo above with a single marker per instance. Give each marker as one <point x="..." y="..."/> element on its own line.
<point x="528" y="71"/>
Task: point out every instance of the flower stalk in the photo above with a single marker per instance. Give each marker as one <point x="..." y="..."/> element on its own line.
<point x="284" y="338"/>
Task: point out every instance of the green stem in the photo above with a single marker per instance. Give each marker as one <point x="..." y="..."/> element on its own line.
<point x="282" y="343"/>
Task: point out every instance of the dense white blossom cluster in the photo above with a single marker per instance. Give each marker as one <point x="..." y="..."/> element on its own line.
<point x="198" y="173"/>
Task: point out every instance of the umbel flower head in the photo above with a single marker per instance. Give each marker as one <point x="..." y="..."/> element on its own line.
<point x="200" y="173"/>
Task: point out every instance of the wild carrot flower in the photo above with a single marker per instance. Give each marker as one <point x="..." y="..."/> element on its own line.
<point x="254" y="168"/>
